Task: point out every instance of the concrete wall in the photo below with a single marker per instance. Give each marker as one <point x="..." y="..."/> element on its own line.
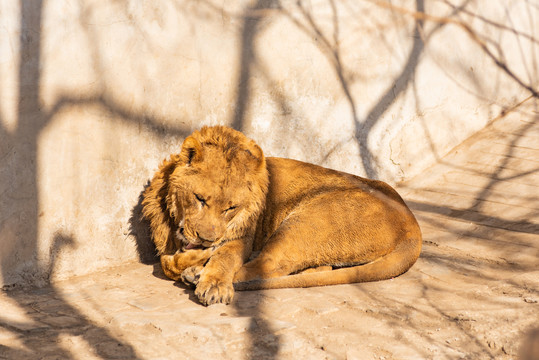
<point x="95" y="93"/>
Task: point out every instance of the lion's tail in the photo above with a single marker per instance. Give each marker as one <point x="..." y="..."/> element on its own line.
<point x="391" y="265"/>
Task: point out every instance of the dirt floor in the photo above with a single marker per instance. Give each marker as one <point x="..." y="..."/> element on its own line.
<point x="473" y="293"/>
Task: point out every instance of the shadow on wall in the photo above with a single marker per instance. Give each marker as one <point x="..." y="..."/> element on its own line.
<point x="401" y="83"/>
<point x="330" y="47"/>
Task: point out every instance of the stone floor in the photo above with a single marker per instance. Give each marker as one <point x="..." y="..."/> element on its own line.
<point x="473" y="293"/>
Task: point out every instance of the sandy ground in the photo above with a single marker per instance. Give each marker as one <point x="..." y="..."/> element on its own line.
<point x="473" y="293"/>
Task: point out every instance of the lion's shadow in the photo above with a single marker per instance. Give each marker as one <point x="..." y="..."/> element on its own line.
<point x="139" y="229"/>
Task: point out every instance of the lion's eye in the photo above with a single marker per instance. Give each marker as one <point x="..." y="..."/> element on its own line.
<point x="201" y="199"/>
<point x="231" y="209"/>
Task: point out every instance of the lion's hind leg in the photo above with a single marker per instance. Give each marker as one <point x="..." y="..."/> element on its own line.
<point x="283" y="255"/>
<point x="315" y="233"/>
<point x="264" y="268"/>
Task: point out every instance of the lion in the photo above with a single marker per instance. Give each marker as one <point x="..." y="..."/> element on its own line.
<point x="220" y="201"/>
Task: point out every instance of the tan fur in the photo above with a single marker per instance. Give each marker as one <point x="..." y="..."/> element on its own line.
<point x="222" y="194"/>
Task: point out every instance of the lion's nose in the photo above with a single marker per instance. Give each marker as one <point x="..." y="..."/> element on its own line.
<point x="208" y="233"/>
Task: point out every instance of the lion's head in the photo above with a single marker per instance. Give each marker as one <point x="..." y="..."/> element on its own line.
<point x="217" y="188"/>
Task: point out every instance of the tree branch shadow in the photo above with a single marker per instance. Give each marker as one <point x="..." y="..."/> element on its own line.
<point x="52" y="318"/>
<point x="259" y="327"/>
<point x="507" y="243"/>
<point x="399" y="85"/>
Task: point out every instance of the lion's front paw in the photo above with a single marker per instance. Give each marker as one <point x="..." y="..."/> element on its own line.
<point x="191" y="275"/>
<point x="169" y="267"/>
<point x="214" y="292"/>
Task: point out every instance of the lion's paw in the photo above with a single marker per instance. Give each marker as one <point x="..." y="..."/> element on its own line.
<point x="191" y="275"/>
<point x="169" y="267"/>
<point x="213" y="292"/>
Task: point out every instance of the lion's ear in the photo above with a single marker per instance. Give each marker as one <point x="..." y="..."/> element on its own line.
<point x="254" y="152"/>
<point x="191" y="150"/>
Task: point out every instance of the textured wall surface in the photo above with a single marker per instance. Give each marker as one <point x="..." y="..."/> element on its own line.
<point x="95" y="93"/>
